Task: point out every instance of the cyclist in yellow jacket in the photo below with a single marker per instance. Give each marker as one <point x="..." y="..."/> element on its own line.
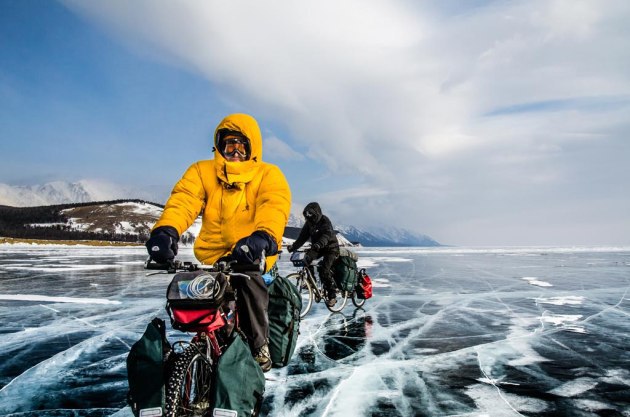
<point x="244" y="203"/>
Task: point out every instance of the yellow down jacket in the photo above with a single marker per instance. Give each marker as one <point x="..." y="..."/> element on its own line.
<point x="234" y="198"/>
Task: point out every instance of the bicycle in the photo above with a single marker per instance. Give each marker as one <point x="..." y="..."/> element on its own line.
<point x="191" y="365"/>
<point x="310" y="290"/>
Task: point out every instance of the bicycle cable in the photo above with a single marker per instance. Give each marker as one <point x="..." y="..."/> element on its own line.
<point x="204" y="286"/>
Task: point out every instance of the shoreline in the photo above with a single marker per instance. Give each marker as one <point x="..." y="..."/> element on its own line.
<point x="48" y="242"/>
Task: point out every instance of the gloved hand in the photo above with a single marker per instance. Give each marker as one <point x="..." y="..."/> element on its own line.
<point x="162" y="245"/>
<point x="290" y="248"/>
<point x="307" y="259"/>
<point x="250" y="248"/>
<point x="316" y="247"/>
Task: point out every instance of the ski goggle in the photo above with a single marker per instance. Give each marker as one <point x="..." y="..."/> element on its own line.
<point x="233" y="146"/>
<point x="309" y="214"/>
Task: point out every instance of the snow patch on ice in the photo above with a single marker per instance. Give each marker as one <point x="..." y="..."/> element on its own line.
<point x="366" y="263"/>
<point x="390" y="259"/>
<point x="61" y="268"/>
<point x="49" y="299"/>
<point x="574" y="388"/>
<point x="617" y="376"/>
<point x="494" y="402"/>
<point x="561" y="319"/>
<point x="537" y="282"/>
<point x="592" y="405"/>
<point x="559" y="301"/>
<point x="380" y="283"/>
<point x="374" y="261"/>
<point x="32" y="246"/>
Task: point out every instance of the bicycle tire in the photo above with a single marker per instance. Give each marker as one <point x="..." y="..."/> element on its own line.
<point x="342" y="299"/>
<point x="304" y="289"/>
<point x="189" y="385"/>
<point x="358" y="302"/>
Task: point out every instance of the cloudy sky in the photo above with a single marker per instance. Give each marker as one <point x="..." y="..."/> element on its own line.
<point x="475" y="122"/>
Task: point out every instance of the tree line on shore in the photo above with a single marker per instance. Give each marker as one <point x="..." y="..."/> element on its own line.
<point x="48" y="222"/>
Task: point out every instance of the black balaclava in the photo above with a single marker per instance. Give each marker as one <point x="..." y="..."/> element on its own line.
<point x="312" y="212"/>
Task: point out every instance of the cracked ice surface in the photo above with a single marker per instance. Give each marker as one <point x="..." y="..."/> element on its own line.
<point x="449" y="332"/>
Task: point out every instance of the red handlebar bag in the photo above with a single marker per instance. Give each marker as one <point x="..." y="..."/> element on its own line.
<point x="197" y="320"/>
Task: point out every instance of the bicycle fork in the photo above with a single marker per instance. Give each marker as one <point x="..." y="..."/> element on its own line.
<point x="316" y="292"/>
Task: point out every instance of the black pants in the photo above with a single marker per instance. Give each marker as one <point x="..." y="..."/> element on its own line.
<point x="252" y="301"/>
<point x="324" y="268"/>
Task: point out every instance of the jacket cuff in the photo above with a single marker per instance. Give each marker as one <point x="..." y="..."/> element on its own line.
<point x="166" y="230"/>
<point x="272" y="246"/>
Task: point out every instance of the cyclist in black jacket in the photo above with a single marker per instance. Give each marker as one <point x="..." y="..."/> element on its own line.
<point x="319" y="230"/>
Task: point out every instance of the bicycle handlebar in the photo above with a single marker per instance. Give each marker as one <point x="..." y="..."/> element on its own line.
<point x="176" y="265"/>
<point x="171" y="266"/>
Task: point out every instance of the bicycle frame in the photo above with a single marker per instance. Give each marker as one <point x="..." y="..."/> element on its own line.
<point x="311" y="289"/>
<point x="316" y="284"/>
<point x="190" y="368"/>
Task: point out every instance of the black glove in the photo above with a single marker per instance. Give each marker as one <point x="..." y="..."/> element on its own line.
<point x="315" y="247"/>
<point x="162" y="245"/>
<point x="250" y="248"/>
<point x="290" y="248"/>
<point x="309" y="256"/>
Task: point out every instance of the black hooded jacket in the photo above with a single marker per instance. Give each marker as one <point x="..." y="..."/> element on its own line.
<point x="319" y="230"/>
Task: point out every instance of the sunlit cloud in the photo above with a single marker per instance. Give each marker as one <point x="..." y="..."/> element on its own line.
<point x="489" y="101"/>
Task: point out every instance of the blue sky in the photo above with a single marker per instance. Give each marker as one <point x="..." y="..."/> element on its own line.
<point x="501" y="123"/>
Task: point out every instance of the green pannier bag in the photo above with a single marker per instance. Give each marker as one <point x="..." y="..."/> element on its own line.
<point x="345" y="273"/>
<point x="145" y="371"/>
<point x="284" y="309"/>
<point x="239" y="382"/>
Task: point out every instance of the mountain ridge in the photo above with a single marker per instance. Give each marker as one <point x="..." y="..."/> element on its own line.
<point x="62" y="192"/>
<point x="91" y="192"/>
<point x="376" y="236"/>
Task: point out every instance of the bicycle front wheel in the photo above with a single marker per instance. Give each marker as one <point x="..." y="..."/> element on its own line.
<point x="306" y="291"/>
<point x="188" y="387"/>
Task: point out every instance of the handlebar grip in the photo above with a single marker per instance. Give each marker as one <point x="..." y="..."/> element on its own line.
<point x="156" y="266"/>
<point x="245" y="267"/>
<point x="166" y="266"/>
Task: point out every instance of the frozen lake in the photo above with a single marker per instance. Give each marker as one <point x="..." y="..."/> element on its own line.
<point x="449" y="332"/>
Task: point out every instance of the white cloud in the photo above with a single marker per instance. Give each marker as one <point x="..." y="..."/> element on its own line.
<point x="280" y="150"/>
<point x="475" y="112"/>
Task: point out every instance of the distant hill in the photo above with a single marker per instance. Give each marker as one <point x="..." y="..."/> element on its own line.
<point x="53" y="208"/>
<point x="117" y="220"/>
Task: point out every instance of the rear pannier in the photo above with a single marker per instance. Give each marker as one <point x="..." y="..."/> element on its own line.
<point x="364" y="286"/>
<point x="285" y="304"/>
<point x="345" y="270"/>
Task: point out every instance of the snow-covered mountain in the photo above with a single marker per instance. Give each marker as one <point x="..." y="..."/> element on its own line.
<point x="295" y="220"/>
<point x="385" y="236"/>
<point x="61" y="192"/>
<point x="374" y="236"/>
